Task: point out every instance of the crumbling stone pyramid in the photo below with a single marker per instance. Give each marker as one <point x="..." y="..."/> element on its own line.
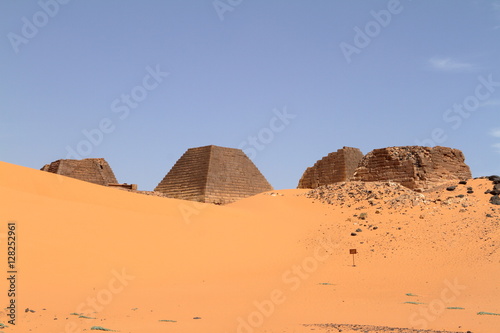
<point x="93" y="170"/>
<point x="336" y="167"/>
<point x="418" y="168"/>
<point x="213" y="174"/>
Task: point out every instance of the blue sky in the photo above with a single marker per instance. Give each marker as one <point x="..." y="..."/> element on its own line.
<point x="288" y="81"/>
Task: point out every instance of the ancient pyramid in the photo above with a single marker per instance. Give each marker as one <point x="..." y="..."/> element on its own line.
<point x="93" y="170"/>
<point x="416" y="167"/>
<point x="336" y="167"/>
<point x="213" y="174"/>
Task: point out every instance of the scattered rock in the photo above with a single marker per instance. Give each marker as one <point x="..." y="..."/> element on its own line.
<point x="495" y="200"/>
<point x="463" y="182"/>
<point x="451" y="188"/>
<point x="345" y="193"/>
<point x="494" y="178"/>
<point x="353" y="234"/>
<point x="359" y="230"/>
<point x="369" y="328"/>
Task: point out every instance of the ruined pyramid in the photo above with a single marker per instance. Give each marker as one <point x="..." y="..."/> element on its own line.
<point x="93" y="170"/>
<point x="336" y="167"/>
<point x="213" y="174"/>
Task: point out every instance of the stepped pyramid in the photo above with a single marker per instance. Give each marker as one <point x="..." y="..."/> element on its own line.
<point x="93" y="170"/>
<point x="213" y="174"/>
<point x="336" y="167"/>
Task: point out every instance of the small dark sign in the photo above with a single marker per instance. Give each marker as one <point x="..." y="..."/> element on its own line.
<point x="353" y="252"/>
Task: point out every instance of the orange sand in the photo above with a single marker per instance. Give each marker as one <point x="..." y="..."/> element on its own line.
<point x="269" y="263"/>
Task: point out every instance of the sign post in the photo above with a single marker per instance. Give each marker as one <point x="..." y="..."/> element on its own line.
<point x="353" y="252"/>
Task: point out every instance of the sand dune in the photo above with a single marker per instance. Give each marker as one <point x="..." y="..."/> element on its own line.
<point x="91" y="256"/>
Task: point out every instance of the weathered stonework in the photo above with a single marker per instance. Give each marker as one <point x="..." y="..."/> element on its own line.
<point x="418" y="168"/>
<point x="213" y="174"/>
<point x="93" y="170"/>
<point x="336" y="167"/>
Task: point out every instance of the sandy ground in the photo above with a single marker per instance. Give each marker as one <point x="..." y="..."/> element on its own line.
<point x="90" y="257"/>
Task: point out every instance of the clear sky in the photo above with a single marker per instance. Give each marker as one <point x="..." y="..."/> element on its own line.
<point x="288" y="81"/>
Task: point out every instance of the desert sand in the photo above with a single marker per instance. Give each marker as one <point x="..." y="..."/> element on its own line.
<point x="90" y="256"/>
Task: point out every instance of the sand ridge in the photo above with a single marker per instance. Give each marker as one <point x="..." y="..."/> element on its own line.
<point x="91" y="256"/>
